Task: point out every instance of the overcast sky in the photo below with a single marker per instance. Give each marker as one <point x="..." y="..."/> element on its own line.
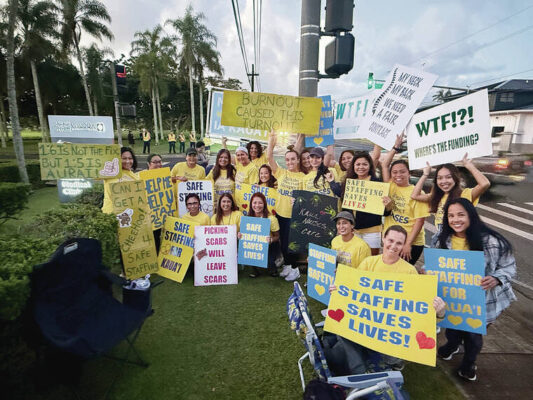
<point x="409" y="32"/>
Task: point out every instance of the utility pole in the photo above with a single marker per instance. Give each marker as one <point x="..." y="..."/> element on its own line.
<point x="253" y="75"/>
<point x="115" y="100"/>
<point x="309" y="39"/>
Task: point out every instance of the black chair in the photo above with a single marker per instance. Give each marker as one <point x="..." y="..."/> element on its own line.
<point x="74" y="307"/>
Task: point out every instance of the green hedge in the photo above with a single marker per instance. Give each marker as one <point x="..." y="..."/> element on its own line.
<point x="9" y="172"/>
<point x="93" y="196"/>
<point x="13" y="199"/>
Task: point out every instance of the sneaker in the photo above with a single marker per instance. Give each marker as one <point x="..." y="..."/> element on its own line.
<point x="279" y="261"/>
<point x="285" y="271"/>
<point x="447" y="354"/>
<point x="293" y="274"/>
<point x="469" y="375"/>
<point x="438" y="330"/>
<point x="399" y="366"/>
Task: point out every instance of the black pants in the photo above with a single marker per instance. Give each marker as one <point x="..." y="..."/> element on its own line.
<point x="284" y="229"/>
<point x="182" y="147"/>
<point x="172" y="146"/>
<point x="193" y="144"/>
<point x="473" y="342"/>
<point x="146" y="146"/>
<point x="416" y="252"/>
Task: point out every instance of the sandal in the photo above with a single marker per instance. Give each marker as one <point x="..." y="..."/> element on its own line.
<point x="253" y="275"/>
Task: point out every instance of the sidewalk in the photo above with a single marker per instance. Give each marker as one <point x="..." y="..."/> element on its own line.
<point x="505" y="365"/>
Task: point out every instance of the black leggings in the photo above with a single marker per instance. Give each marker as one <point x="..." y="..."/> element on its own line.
<point x="473" y="342"/>
<point x="284" y="229"/>
<point x="416" y="252"/>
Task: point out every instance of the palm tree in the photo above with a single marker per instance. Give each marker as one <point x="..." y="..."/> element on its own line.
<point x="78" y="16"/>
<point x="94" y="60"/>
<point x="18" y="146"/>
<point x="153" y="56"/>
<point x="38" y="22"/>
<point x="208" y="58"/>
<point x="442" y="95"/>
<point x="197" y="46"/>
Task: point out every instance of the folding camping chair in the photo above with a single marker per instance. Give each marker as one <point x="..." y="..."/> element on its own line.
<point x="74" y="307"/>
<point x="388" y="382"/>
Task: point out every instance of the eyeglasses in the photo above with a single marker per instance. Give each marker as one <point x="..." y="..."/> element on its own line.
<point x="156" y="162"/>
<point x="192" y="204"/>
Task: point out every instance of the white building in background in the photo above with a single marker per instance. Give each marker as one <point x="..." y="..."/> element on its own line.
<point x="512" y="130"/>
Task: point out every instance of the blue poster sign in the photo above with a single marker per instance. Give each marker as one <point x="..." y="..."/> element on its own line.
<point x="325" y="134"/>
<point x="321" y="266"/>
<point x="460" y="273"/>
<point x="253" y="244"/>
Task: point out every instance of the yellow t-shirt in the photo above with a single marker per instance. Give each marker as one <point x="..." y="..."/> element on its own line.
<point x="459" y="243"/>
<point x="181" y="169"/>
<point x="222" y="185"/>
<point x="340" y="173"/>
<point x="107" y="207"/>
<point x="248" y="174"/>
<point x="376" y="264"/>
<point x="274" y="224"/>
<point x="351" y="252"/>
<point x="258" y="162"/>
<point x="287" y="182"/>
<point x="465" y="194"/>
<point x="323" y="184"/>
<point x="201" y="219"/>
<point x="233" y="219"/>
<point x="405" y="211"/>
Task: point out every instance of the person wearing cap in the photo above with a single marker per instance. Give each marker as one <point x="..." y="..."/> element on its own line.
<point x="351" y="250"/>
<point x="246" y="170"/>
<point x="188" y="170"/>
<point x="321" y="179"/>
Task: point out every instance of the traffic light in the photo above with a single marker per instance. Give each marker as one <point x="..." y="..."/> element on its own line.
<point x="339" y="15"/>
<point x="339" y="55"/>
<point x="370" y="80"/>
<point x="120" y="72"/>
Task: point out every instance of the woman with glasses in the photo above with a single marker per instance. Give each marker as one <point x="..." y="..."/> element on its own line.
<point x="194" y="214"/>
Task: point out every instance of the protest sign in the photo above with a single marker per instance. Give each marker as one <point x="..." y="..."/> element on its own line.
<point x="387" y="312"/>
<point x="349" y="114"/>
<point x="446" y="132"/>
<point x="135" y="234"/>
<point x="160" y="195"/>
<point x="321" y="265"/>
<point x="81" y="129"/>
<point x="459" y="274"/>
<point x="312" y="220"/>
<point x="244" y="192"/>
<point x="402" y="93"/>
<point x="204" y="189"/>
<point x="325" y="133"/>
<point x="267" y="111"/>
<point x="253" y="245"/>
<point x="215" y="255"/>
<point x="177" y="247"/>
<point x="367" y="196"/>
<point x="72" y="161"/>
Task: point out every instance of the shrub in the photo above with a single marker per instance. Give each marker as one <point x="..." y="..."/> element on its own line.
<point x="9" y="172"/>
<point x="93" y="196"/>
<point x="13" y="199"/>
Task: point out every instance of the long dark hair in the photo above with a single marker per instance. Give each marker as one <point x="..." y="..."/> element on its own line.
<point x="259" y="148"/>
<point x="302" y="168"/>
<point x="321" y="172"/>
<point x="475" y="233"/>
<point x="265" y="212"/>
<point x="219" y="212"/>
<point x="351" y="174"/>
<point x="230" y="168"/>
<point x="340" y="158"/>
<point x="272" y="181"/>
<point x="437" y="193"/>
<point x="125" y="149"/>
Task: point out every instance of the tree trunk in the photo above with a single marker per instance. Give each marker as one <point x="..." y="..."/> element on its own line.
<point x="38" y="99"/>
<point x="161" y="131"/>
<point x="3" y="121"/>
<point x="191" y="90"/>
<point x="201" y="97"/>
<point x="18" y="146"/>
<point x="115" y="101"/>
<point x="95" y="106"/>
<point x="83" y="77"/>
<point x="154" y="110"/>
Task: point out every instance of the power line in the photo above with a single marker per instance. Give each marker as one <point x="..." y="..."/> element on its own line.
<point x="238" y="24"/>
<point x="501" y="77"/>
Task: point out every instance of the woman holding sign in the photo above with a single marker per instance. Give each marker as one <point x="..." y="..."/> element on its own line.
<point x="266" y="177"/>
<point x="223" y="174"/>
<point x="447" y="185"/>
<point x="227" y="212"/>
<point x="321" y="179"/>
<point x="192" y="202"/>
<point x="462" y="229"/>
<point x="400" y="208"/>
<point x="129" y="165"/>
<point x="258" y="208"/>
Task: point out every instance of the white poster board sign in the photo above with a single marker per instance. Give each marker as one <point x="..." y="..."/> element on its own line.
<point x="349" y="114"/>
<point x="215" y="255"/>
<point x="443" y="134"/>
<point x="403" y="91"/>
<point x="81" y="129"/>
<point x="204" y="189"/>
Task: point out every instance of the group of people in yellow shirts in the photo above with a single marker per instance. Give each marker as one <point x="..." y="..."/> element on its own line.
<point x="398" y="234"/>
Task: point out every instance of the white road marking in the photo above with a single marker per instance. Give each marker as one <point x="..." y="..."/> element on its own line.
<point x="507" y="228"/>
<point x="530" y="203"/>
<point x="521" y="209"/>
<point x="505" y="214"/>
<point x="430" y="227"/>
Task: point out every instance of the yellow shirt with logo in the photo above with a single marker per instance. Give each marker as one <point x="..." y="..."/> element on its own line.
<point x="465" y="194"/>
<point x="352" y="252"/>
<point x="107" y="207"/>
<point x="405" y="211"/>
<point x="233" y="219"/>
<point x="323" y="185"/>
<point x="459" y="243"/>
<point x="376" y="264"/>
<point x="287" y="182"/>
<point x="201" y="219"/>
<point x="222" y="185"/>
<point x="248" y="174"/>
<point x="182" y="169"/>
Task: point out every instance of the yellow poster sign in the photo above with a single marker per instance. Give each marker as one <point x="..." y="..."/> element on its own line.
<point x="367" y="196"/>
<point x="160" y="195"/>
<point x="79" y="161"/>
<point x="134" y="228"/>
<point x="177" y="248"/>
<point x="244" y="192"/>
<point x="265" y="111"/>
<point x="386" y="312"/>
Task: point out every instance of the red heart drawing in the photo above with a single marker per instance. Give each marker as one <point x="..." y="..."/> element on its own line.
<point x="424" y="342"/>
<point x="245" y="206"/>
<point x="337" y="315"/>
